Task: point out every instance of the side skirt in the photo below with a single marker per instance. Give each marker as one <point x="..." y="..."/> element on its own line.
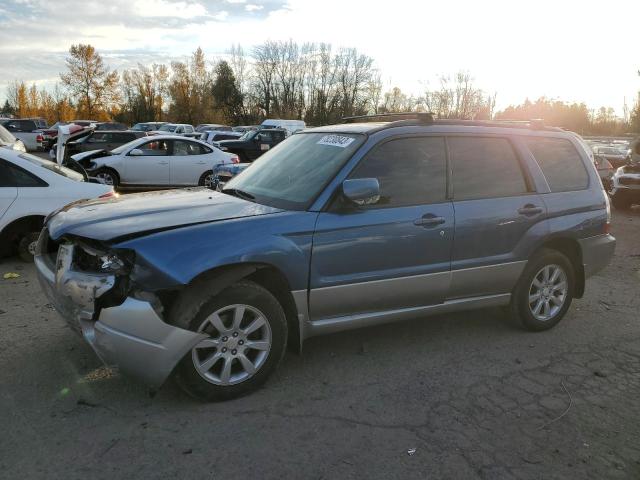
<point x="348" y="322"/>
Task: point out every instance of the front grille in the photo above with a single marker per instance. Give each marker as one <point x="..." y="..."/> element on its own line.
<point x="629" y="181"/>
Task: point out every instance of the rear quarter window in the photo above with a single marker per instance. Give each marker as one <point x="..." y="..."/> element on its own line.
<point x="560" y="162"/>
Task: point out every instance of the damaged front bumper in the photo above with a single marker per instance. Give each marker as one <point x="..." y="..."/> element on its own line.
<point x="130" y="336"/>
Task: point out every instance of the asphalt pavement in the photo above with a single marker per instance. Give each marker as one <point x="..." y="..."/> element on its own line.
<point x="453" y="397"/>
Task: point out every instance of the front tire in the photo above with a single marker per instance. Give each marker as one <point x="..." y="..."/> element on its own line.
<point x="544" y="292"/>
<point x="247" y="331"/>
<point x="108" y="177"/>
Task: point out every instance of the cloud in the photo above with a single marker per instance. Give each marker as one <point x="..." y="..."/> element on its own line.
<point x="252" y="8"/>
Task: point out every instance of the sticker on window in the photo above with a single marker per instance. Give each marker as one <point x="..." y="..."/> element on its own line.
<point x="336" y="141"/>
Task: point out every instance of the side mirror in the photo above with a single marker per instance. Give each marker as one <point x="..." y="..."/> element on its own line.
<point x="136" y="152"/>
<point x="257" y="138"/>
<point x="362" y="191"/>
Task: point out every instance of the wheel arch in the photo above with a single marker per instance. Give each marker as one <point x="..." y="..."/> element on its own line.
<point x="10" y="235"/>
<point x="570" y="248"/>
<point x="266" y="275"/>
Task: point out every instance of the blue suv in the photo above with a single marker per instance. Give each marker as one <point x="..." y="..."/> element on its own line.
<point x="336" y="228"/>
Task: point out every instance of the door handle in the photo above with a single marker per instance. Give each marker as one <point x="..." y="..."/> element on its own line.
<point x="530" y="209"/>
<point x="429" y="220"/>
<point x="163" y="163"/>
<point x="201" y="163"/>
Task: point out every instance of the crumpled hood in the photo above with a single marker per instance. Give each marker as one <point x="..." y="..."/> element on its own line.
<point x="90" y="154"/>
<point x="138" y="213"/>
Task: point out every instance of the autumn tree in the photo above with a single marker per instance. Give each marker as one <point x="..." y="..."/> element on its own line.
<point x="93" y="86"/>
<point x="190" y="90"/>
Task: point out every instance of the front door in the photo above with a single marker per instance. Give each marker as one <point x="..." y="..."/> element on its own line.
<point x="498" y="216"/>
<point x="395" y="253"/>
<point x="150" y="168"/>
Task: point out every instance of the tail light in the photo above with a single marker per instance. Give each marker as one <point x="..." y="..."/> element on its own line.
<point x="110" y="194"/>
<point x="39" y="138"/>
<point x="235" y="159"/>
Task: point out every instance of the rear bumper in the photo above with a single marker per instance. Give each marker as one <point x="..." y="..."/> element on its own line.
<point x="597" y="253"/>
<point x="130" y="336"/>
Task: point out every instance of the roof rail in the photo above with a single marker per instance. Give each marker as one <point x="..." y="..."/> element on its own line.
<point x="423" y="117"/>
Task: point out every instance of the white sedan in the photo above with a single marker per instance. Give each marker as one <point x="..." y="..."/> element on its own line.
<point x="160" y="161"/>
<point x="30" y="189"/>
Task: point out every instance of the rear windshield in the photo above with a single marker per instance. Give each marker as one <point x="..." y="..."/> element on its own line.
<point x="52" y="167"/>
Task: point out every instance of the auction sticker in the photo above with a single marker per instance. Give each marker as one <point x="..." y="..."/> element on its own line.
<point x="336" y="141"/>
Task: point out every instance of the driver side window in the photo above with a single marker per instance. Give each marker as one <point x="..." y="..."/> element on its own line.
<point x="155" y="148"/>
<point x="411" y="171"/>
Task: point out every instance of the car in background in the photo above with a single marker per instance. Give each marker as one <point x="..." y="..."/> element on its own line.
<point x="339" y="227"/>
<point x="159" y="161"/>
<point x="222" y="174"/>
<point x="7" y="140"/>
<point x="84" y="123"/>
<point x="212" y="126"/>
<point x="147" y="126"/>
<point x="254" y="143"/>
<point x="625" y="188"/>
<point x="212" y="137"/>
<point x="245" y="128"/>
<point x="30" y="189"/>
<point x="111" y="126"/>
<point x="96" y="140"/>
<point x="614" y="155"/>
<point x="605" y="170"/>
<point x="26" y="130"/>
<point x="291" y="126"/>
<point x="183" y="129"/>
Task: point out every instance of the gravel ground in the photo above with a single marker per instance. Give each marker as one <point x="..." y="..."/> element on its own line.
<point x="456" y="396"/>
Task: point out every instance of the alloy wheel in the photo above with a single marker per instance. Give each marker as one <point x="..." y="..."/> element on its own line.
<point x="548" y="292"/>
<point x="238" y="345"/>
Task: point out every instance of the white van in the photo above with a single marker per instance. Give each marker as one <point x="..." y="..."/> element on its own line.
<point x="291" y="126"/>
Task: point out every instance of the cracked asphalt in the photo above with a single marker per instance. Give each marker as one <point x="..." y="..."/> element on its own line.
<point x="452" y="397"/>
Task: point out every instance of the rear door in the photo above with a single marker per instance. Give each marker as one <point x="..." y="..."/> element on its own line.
<point x="396" y="253"/>
<point x="8" y="189"/>
<point x="189" y="160"/>
<point x="151" y="168"/>
<point x="498" y="215"/>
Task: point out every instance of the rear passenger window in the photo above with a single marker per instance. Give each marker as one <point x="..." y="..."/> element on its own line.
<point x="560" y="162"/>
<point x="13" y="176"/>
<point x="411" y="171"/>
<point x="485" y="168"/>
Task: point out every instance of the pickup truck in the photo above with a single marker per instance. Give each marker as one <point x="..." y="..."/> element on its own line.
<point x="28" y="131"/>
<point x="253" y="143"/>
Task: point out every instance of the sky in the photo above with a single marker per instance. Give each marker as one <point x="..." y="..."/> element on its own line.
<point x="584" y="51"/>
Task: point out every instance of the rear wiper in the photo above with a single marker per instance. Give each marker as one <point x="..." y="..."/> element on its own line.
<point x="239" y="193"/>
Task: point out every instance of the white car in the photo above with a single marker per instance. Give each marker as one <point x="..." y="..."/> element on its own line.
<point x="7" y="140"/>
<point x="160" y="161"/>
<point x="30" y="189"/>
<point x="183" y="129"/>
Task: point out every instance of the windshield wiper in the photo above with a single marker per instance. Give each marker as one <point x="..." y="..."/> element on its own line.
<point x="239" y="193"/>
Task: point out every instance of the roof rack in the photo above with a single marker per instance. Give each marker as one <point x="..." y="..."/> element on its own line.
<point x="423" y="117"/>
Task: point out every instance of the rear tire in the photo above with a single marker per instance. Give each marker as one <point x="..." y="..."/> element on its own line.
<point x="234" y="360"/>
<point x="544" y="292"/>
<point x="108" y="176"/>
<point x="620" y="203"/>
<point x="206" y="179"/>
<point x="27" y="246"/>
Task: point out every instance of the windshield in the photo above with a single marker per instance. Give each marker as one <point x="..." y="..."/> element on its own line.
<point x="248" y="135"/>
<point x="6" y="137"/>
<point x="142" y="127"/>
<point x="291" y="175"/>
<point x="52" y="167"/>
<point x="168" y="128"/>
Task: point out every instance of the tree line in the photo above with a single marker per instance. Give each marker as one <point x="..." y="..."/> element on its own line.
<point x="310" y="81"/>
